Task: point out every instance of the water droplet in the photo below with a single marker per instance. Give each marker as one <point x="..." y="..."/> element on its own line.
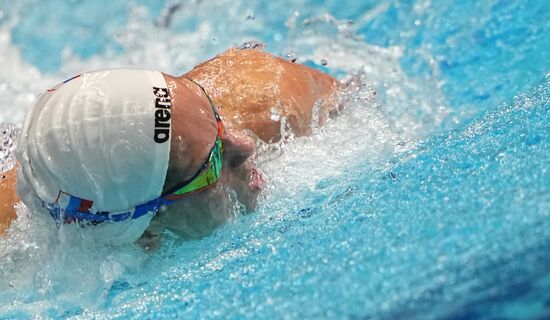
<point x="275" y="115"/>
<point x="251" y="45"/>
<point x="291" y="56"/>
<point x="316" y="116"/>
<point x="287" y="134"/>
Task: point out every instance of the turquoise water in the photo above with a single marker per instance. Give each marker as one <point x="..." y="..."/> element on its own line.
<point x="427" y="200"/>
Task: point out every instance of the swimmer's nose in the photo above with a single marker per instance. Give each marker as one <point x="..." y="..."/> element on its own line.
<point x="237" y="147"/>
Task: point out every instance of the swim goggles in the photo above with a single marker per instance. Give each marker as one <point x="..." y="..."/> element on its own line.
<point x="207" y="176"/>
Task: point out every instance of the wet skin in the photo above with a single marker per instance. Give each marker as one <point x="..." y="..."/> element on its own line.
<point x="8" y="198"/>
<point x="247" y="86"/>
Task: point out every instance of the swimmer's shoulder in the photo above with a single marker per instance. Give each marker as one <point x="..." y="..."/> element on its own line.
<point x="235" y="57"/>
<point x="250" y="63"/>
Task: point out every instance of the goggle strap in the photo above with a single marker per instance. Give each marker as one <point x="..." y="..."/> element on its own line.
<point x="214" y="108"/>
<point x="73" y="211"/>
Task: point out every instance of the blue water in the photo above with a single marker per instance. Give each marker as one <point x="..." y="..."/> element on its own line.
<point x="427" y="200"/>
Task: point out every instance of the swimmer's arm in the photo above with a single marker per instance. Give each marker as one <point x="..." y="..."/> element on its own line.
<point x="8" y="199"/>
<point x="249" y="85"/>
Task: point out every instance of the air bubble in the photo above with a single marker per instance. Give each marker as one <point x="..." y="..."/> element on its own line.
<point x="291" y="56"/>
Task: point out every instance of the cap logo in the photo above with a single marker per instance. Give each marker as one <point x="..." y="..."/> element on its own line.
<point x="162" y="115"/>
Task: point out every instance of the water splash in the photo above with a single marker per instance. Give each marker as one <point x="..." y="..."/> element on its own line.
<point x="9" y="134"/>
<point x="415" y="107"/>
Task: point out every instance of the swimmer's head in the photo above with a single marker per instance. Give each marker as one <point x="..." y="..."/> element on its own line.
<point x="199" y="212"/>
<point x="112" y="140"/>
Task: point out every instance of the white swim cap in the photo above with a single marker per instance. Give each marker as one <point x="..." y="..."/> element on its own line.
<point x="103" y="136"/>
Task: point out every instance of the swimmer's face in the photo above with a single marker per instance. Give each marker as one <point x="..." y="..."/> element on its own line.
<point x="199" y="213"/>
<point x="194" y="134"/>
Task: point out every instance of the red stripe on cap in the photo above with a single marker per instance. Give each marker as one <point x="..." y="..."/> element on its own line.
<point x="85" y="205"/>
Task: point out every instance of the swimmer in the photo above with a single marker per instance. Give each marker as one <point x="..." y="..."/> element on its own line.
<point x="126" y="151"/>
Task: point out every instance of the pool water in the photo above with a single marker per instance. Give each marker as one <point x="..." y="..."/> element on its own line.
<point x="428" y="198"/>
